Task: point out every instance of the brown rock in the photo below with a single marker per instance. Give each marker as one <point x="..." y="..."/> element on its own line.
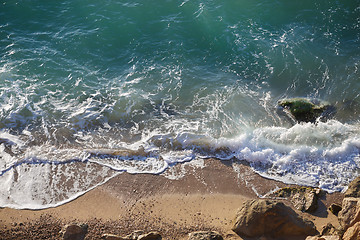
<point x="335" y="208"/>
<point x="271" y="218"/>
<point x="329" y="229"/>
<point x="107" y="236"/>
<point x="205" y="235"/>
<point x="353" y="189"/>
<point x="352" y="233"/>
<point x="74" y="232"/>
<point x="150" y="236"/>
<point x="350" y="212"/>
<point x="303" y="198"/>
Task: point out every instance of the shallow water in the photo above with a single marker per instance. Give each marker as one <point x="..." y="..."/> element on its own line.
<point x="91" y="89"/>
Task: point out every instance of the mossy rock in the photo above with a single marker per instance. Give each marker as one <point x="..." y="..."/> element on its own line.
<point x="307" y="109"/>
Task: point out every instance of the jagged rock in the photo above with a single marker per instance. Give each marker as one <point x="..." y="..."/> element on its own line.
<point x="350" y="212"/>
<point x="107" y="236"/>
<point x="205" y="235"/>
<point x="335" y="208"/>
<point x="307" y="109"/>
<point x="323" y="238"/>
<point x="353" y="189"/>
<point x="150" y="236"/>
<point x="352" y="233"/>
<point x="134" y="235"/>
<point x="74" y="232"/>
<point x="329" y="229"/>
<point x="270" y="218"/>
<point x="303" y="198"/>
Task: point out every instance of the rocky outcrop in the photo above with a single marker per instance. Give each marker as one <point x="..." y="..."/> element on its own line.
<point x="352" y="233"/>
<point x="303" y="198"/>
<point x="270" y="218"/>
<point x="307" y="109"/>
<point x="353" y="189"/>
<point x="205" y="235"/>
<point x="74" y="232"/>
<point x="350" y="212"/>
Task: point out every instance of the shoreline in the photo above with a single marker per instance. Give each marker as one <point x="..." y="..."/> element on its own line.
<point x="204" y="198"/>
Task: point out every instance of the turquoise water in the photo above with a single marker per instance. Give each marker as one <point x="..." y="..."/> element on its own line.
<point x="103" y="87"/>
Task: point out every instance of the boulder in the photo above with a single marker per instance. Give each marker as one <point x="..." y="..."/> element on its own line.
<point x="350" y="212"/>
<point x="303" y="198"/>
<point x="270" y="218"/>
<point x="352" y="233"/>
<point x="74" y="232"/>
<point x="150" y="236"/>
<point x="353" y="189"/>
<point x="205" y="235"/>
<point x="307" y="109"/>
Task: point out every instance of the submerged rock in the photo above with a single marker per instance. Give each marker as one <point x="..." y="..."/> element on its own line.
<point x="307" y="109"/>
<point x="271" y="218"/>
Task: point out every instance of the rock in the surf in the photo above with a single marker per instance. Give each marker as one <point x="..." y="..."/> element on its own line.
<point x="307" y="109"/>
<point x="271" y="218"/>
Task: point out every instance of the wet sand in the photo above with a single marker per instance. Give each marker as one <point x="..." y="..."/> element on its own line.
<point x="205" y="198"/>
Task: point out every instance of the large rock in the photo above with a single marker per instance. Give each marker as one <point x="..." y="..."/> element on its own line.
<point x="307" y="109"/>
<point x="150" y="236"/>
<point x="205" y="235"/>
<point x="353" y="189"/>
<point x="303" y="198"/>
<point x="350" y="212"/>
<point x="74" y="232"/>
<point x="270" y="218"/>
<point x="353" y="233"/>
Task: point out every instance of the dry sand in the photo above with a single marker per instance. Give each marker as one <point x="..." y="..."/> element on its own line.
<point x="205" y="198"/>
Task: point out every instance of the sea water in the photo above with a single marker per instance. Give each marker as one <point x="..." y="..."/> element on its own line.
<point x="90" y="89"/>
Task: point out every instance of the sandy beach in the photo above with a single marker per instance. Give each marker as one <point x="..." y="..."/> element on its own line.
<point x="205" y="198"/>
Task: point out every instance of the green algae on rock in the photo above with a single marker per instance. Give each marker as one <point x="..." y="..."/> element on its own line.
<point x="307" y="109"/>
